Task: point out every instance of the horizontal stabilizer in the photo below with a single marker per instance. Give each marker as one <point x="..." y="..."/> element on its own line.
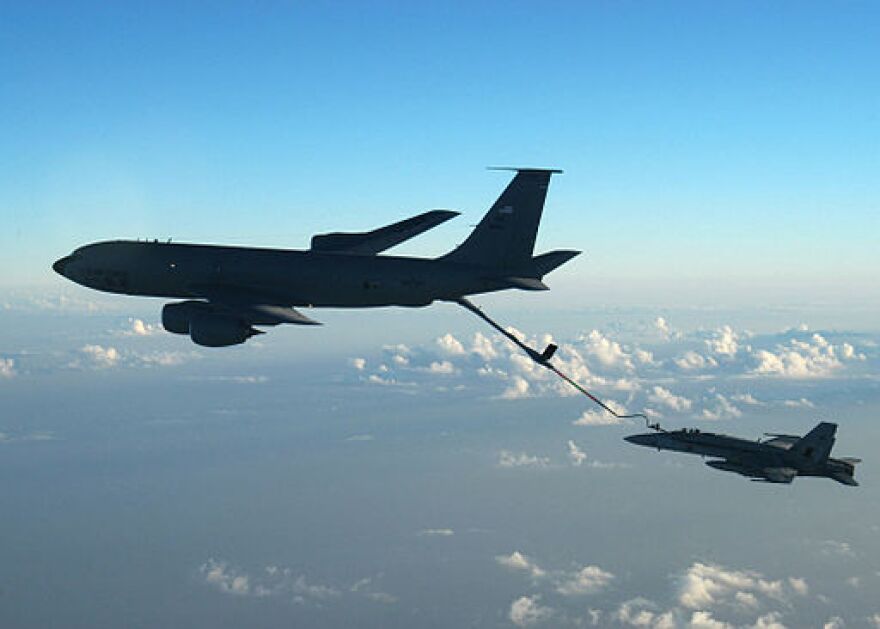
<point x="526" y="283"/>
<point x="378" y="240"/>
<point x="541" y="265"/>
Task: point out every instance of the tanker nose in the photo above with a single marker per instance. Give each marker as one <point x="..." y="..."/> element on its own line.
<point x="60" y="264"/>
<point x="642" y="440"/>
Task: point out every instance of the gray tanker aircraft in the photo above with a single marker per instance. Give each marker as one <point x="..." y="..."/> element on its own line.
<point x="229" y="290"/>
<point x="778" y="459"/>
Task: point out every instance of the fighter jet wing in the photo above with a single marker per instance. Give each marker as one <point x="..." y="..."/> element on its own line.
<point x="257" y="307"/>
<point x="378" y="240"/>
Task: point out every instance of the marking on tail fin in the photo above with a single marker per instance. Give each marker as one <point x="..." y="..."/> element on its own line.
<point x="505" y="237"/>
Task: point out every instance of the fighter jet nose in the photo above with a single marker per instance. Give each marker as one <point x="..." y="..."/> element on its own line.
<point x="642" y="440"/>
<point x="59" y="265"/>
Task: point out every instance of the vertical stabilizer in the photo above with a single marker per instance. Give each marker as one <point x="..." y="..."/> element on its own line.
<point x="505" y="238"/>
<point x="815" y="446"/>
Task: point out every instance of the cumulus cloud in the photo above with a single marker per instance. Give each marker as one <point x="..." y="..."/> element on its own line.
<point x="7" y="367"/>
<point x="271" y="581"/>
<point x="575" y="454"/>
<point x="482" y="346"/>
<point x="441" y="367"/>
<point x="833" y="547"/>
<point x="518" y="561"/>
<point x="609" y="353"/>
<point x="358" y="363"/>
<point x="598" y="418"/>
<point x="721" y="408"/>
<point x="691" y="360"/>
<point x="526" y="611"/>
<point x="100" y="356"/>
<point x="799" y="586"/>
<point x="706" y="585"/>
<point x="724" y="342"/>
<point x="450" y="345"/>
<point x="704" y="620"/>
<point x="664" y="397"/>
<point x="640" y="612"/>
<point x="137" y="327"/>
<point x="662" y="326"/>
<point x="518" y="388"/>
<point x="587" y="580"/>
<point x="224" y="578"/>
<point x="510" y="459"/>
<point x="746" y="398"/>
<point x="815" y="358"/>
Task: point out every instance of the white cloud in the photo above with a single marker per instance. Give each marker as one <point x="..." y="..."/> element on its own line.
<point x="664" y="397"/>
<point x="137" y="327"/>
<point x="640" y="612"/>
<point x="519" y="388"/>
<point x="874" y="620"/>
<point x="358" y="363"/>
<point x="771" y="620"/>
<point x="801" y="403"/>
<point x="510" y="459"/>
<point x="691" y="360"/>
<point x="597" y="418"/>
<point x="722" y="409"/>
<point x="799" y="586"/>
<point x="518" y="561"/>
<point x="855" y="582"/>
<point x="704" y="620"/>
<point x="525" y="611"/>
<point x="171" y="359"/>
<point x="382" y="597"/>
<point x="450" y="345"/>
<point x="100" y="356"/>
<point x="482" y="347"/>
<point x="816" y="358"/>
<point x="588" y="580"/>
<point x="219" y="575"/>
<point x="436" y="533"/>
<point x="441" y="367"/>
<point x="575" y="454"/>
<point x="837" y="548"/>
<point x="835" y="622"/>
<point x="705" y="585"/>
<point x="662" y="326"/>
<point x="746" y="398"/>
<point x="609" y="353"/>
<point x="725" y="342"/>
<point x="644" y="357"/>
<point x="7" y="367"/>
<point x="271" y="581"/>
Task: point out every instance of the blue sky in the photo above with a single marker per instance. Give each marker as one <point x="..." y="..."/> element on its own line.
<point x="723" y="141"/>
<point x="406" y="467"/>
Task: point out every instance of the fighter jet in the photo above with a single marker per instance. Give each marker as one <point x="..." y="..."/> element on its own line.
<point x="777" y="459"/>
<point x="227" y="291"/>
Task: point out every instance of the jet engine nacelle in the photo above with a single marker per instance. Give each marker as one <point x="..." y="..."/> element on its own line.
<point x="205" y="325"/>
<point x="176" y="317"/>
<point x="214" y="330"/>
